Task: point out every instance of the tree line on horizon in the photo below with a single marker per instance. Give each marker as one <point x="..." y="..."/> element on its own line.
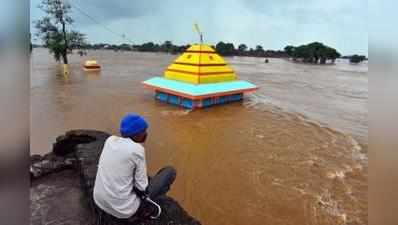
<point x="224" y="49"/>
<point x="314" y="52"/>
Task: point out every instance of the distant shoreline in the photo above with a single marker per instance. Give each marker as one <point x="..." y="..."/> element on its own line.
<point x="287" y="58"/>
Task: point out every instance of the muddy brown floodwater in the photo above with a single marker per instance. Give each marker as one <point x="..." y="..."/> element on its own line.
<point x="294" y="152"/>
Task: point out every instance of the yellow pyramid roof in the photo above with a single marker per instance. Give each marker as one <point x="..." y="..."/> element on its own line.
<point x="201" y="47"/>
<point x="200" y="64"/>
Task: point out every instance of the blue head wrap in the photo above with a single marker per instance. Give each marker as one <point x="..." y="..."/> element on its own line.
<point x="132" y="124"/>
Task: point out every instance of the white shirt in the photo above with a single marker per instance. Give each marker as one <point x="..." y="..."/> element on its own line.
<point x="113" y="188"/>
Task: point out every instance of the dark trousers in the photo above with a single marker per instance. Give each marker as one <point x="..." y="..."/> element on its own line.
<point x="161" y="182"/>
<point x="158" y="185"/>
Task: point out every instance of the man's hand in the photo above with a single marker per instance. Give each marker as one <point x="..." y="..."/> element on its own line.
<point x="141" y="194"/>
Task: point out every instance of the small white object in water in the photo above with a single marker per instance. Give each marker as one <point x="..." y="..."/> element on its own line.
<point x="336" y="174"/>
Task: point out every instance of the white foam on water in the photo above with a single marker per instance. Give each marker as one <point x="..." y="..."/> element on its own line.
<point x="341" y="173"/>
<point x="257" y="101"/>
<point x="260" y="136"/>
<point x="331" y="206"/>
<point x="300" y="190"/>
<point x="175" y="112"/>
<point x="357" y="153"/>
<point x="336" y="174"/>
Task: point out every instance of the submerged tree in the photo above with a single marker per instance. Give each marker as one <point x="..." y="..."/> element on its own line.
<point x="357" y="58"/>
<point x="52" y="30"/>
<point x="289" y="50"/>
<point x="314" y="52"/>
<point x="225" y="49"/>
<point x="167" y="46"/>
<point x="242" y="48"/>
<point x="148" y="47"/>
<point x="259" y="51"/>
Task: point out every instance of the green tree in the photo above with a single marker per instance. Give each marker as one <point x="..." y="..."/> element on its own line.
<point x="357" y="58"/>
<point x="147" y="47"/>
<point x="314" y="52"/>
<point x="331" y="54"/>
<point x="52" y="30"/>
<point x="125" y="47"/>
<point x="167" y="46"/>
<point x="242" y="48"/>
<point x="259" y="51"/>
<point x="289" y="50"/>
<point x="302" y="52"/>
<point x="226" y="49"/>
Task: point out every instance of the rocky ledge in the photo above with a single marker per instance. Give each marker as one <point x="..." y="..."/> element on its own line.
<point x="63" y="181"/>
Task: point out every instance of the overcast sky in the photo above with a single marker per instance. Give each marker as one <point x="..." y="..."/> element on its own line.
<point x="342" y="24"/>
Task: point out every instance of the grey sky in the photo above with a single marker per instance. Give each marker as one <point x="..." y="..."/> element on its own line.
<point x="342" y="24"/>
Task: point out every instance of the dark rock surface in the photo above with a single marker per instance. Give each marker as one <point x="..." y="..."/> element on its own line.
<point x="57" y="199"/>
<point x="50" y="163"/>
<point x="54" y="197"/>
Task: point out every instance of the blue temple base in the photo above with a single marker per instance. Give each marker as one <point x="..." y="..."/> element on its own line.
<point x="200" y="103"/>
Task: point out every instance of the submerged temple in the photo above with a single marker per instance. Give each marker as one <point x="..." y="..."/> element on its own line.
<point x="199" y="78"/>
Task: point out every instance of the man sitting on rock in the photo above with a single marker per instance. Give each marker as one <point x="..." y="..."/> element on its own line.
<point x="122" y="182"/>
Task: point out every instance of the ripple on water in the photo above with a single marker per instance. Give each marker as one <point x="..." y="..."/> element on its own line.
<point x="178" y="112"/>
